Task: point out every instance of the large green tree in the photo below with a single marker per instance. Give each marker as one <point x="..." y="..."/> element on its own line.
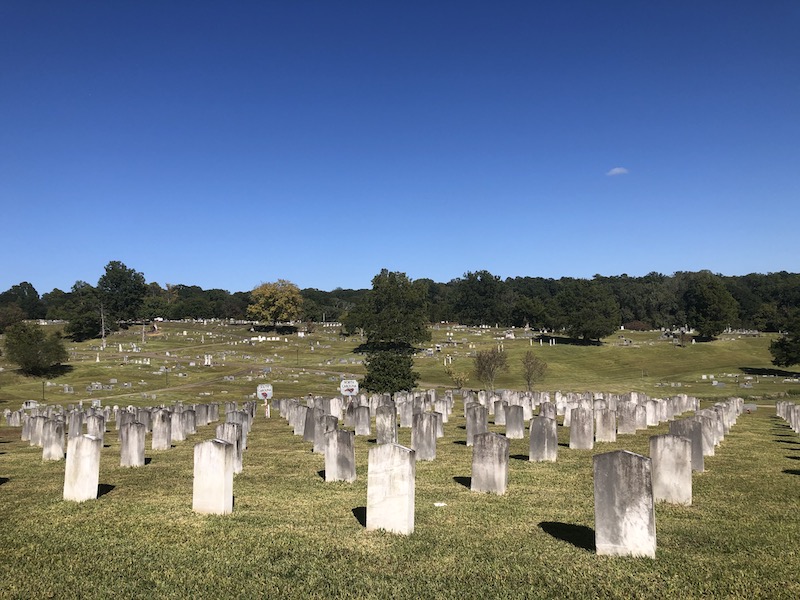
<point x="276" y="302"/>
<point x="83" y="310"/>
<point x="35" y="351"/>
<point x="710" y="307"/>
<point x="587" y="309"/>
<point x="393" y="316"/>
<point x="121" y="291"/>
<point x="786" y="350"/>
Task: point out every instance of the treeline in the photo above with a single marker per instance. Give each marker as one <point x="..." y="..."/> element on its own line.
<point x="583" y="308"/>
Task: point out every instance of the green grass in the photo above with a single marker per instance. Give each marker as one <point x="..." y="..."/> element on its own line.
<point x="293" y="535"/>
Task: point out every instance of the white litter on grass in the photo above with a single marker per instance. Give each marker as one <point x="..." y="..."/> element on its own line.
<point x="439" y="504"/>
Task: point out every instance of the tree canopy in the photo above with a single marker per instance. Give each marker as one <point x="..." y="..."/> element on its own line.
<point x="276" y="302"/>
<point x="710" y="307"/>
<point x="786" y="350"/>
<point x="32" y="349"/>
<point x="588" y="310"/>
<point x="121" y="291"/>
<point x="393" y="316"/>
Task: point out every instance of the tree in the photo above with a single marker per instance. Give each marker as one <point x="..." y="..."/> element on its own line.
<point x="32" y="349"/>
<point x="533" y="369"/>
<point x="389" y="372"/>
<point x="10" y="314"/>
<point x="786" y="350"/>
<point x="84" y="313"/>
<point x="459" y="378"/>
<point x="710" y="307"/>
<point x="393" y="316"/>
<point x="121" y="291"/>
<point x="587" y="310"/>
<point x="488" y="364"/>
<point x="276" y="302"/>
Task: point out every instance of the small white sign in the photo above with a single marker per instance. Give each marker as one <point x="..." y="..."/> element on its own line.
<point x="348" y="387"/>
<point x="264" y="391"/>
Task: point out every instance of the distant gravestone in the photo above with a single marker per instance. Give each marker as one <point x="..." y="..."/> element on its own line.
<point x="386" y="425"/>
<point x="340" y="456"/>
<point x="515" y="422"/>
<point x="477" y="421"/>
<point x="671" y="456"/>
<point x="581" y="429"/>
<point x="423" y="436"/>
<point x="132" y="438"/>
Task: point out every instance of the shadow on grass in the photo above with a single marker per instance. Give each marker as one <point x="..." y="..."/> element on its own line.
<point x="373" y="441"/>
<point x="104" y="488"/>
<point x="773" y="372"/>
<point x="461" y="442"/>
<point x="563" y="445"/>
<point x="524" y="457"/>
<point x="4" y="480"/>
<point x="465" y="481"/>
<point x="793" y="457"/>
<point x="147" y="460"/>
<point x="579" y="536"/>
<point x="792" y="471"/>
<point x="787" y="442"/>
<point x="321" y="473"/>
<point x="360" y="513"/>
<point x="570" y="341"/>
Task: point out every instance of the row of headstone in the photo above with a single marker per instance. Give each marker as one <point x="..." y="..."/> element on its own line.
<point x="789" y="412"/>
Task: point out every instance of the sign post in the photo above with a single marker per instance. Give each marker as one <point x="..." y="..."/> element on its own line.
<point x="348" y="387"/>
<point x="264" y="391"/>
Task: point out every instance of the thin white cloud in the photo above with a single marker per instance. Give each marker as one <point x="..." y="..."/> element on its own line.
<point x="617" y="171"/>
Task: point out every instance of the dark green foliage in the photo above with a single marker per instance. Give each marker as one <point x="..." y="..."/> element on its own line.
<point x="121" y="291"/>
<point x="83" y="312"/>
<point x="32" y="349"/>
<point x="26" y="298"/>
<point x="10" y="314"/>
<point x="389" y="372"/>
<point x="587" y="310"/>
<point x="481" y="298"/>
<point x="393" y="316"/>
<point x="710" y="307"/>
<point x="786" y="350"/>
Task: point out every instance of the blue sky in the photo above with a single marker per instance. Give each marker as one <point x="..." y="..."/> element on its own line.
<point x="224" y="144"/>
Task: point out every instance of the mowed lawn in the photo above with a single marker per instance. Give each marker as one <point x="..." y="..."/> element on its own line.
<point x="293" y="535"/>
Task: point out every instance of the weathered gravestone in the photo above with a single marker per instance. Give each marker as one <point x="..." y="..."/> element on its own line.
<point x="53" y="440"/>
<point x="325" y="424"/>
<point x="693" y="431"/>
<point x="232" y="433"/>
<point x="671" y="457"/>
<point x="581" y="429"/>
<point x="212" y="490"/>
<point x="515" y="422"/>
<point x="490" y="463"/>
<point x="391" y="489"/>
<point x="624" y="512"/>
<point x="340" y="456"/>
<point x="605" y="421"/>
<point x="423" y="436"/>
<point x="162" y="430"/>
<point x="132" y="437"/>
<point x="477" y="421"/>
<point x="82" y="471"/>
<point x="544" y="440"/>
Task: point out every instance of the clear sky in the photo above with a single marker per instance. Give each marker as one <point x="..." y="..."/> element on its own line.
<point x="224" y="144"/>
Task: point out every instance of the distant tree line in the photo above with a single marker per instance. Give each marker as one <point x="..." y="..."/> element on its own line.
<point x="587" y="309"/>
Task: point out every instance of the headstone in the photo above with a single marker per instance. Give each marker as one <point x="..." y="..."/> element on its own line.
<point x="581" y="429"/>
<point x="490" y="463"/>
<point x="624" y="512"/>
<point x="212" y="491"/>
<point x="544" y="440"/>
<point x="515" y="422"/>
<point x="423" y="436"/>
<point x="386" y="425"/>
<point x="82" y="471"/>
<point x="325" y="424"/>
<point x="53" y="440"/>
<point x="671" y="457"/>
<point x="362" y="420"/>
<point x="391" y="489"/>
<point x="340" y="456"/>
<point x="477" y="421"/>
<point x="132" y="437"/>
<point x="693" y="431"/>
<point x="162" y="430"/>
<point x="605" y="421"/>
<point x="232" y="433"/>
